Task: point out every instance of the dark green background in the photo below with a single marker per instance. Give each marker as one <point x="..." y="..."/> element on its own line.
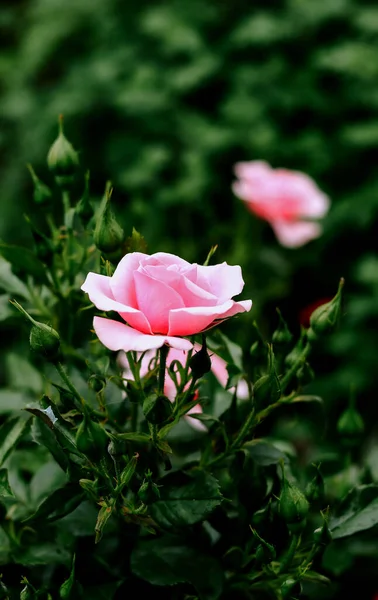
<point x="163" y="98"/>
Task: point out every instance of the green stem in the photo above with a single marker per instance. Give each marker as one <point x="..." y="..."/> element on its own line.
<point x="154" y="432"/>
<point x="79" y="401"/>
<point x="134" y="415"/>
<point x="289" y="555"/>
<point x="162" y="366"/>
<point x="66" y="201"/>
<point x="292" y="371"/>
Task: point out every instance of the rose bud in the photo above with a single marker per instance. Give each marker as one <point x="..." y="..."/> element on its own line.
<point x="108" y="234"/>
<point x="324" y="319"/>
<point x="42" y="193"/>
<point x="62" y="159"/>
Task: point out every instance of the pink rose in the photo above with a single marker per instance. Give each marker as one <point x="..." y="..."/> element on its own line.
<point x="162" y="298"/>
<point x="218" y="367"/>
<point x="288" y="200"/>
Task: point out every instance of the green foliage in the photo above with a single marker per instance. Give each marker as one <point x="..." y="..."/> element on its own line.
<point x="183" y="91"/>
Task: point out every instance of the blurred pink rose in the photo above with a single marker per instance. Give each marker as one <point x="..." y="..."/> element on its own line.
<point x="218" y="367"/>
<point x="162" y="298"/>
<point x="288" y="200"/>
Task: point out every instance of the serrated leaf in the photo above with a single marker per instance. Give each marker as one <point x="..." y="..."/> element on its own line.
<point x="10" y="433"/>
<point x="167" y="561"/>
<point x="24" y="260"/>
<point x="185" y="499"/>
<point x="5" y="488"/>
<point x="357" y="512"/>
<point x="59" y="504"/>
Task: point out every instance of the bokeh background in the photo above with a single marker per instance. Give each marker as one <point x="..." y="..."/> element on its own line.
<point x="162" y="98"/>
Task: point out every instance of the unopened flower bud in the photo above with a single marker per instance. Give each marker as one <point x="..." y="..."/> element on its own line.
<point x="136" y="242"/>
<point x="324" y="319"/>
<point x="90" y="487"/>
<point x="62" y="159"/>
<point x="281" y="336"/>
<point x="322" y="535"/>
<point x="157" y="408"/>
<point x="84" y="208"/>
<point x="265" y="552"/>
<point x="148" y="491"/>
<point x="108" y="234"/>
<point x="305" y="374"/>
<point x="200" y="362"/>
<point x="44" y="340"/>
<point x="42" y="193"/>
<point x="128" y="472"/>
<point x="293" y="505"/>
<point x="296" y="352"/>
<point x="28" y="592"/>
<point x="315" y="488"/>
<point x="267" y="389"/>
<point x="351" y="425"/>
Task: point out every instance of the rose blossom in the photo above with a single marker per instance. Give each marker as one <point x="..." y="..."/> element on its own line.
<point x="218" y="367"/>
<point x="288" y="200"/>
<point x="162" y="298"/>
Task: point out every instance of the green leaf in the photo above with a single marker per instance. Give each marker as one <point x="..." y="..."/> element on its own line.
<point x="24" y="260"/>
<point x="31" y="379"/>
<point x="358" y="511"/>
<point x="41" y="554"/>
<point x="5" y="489"/>
<point x="185" y="498"/>
<point x="6" y="311"/>
<point x="9" y="282"/>
<point x="43" y="435"/>
<point x="10" y="433"/>
<point x="234" y="353"/>
<point x="264" y="453"/>
<point x="167" y="561"/>
<point x="59" y="504"/>
<point x="81" y="521"/>
<point x="102" y="592"/>
<point x="133" y="437"/>
<point x="11" y="401"/>
<point x="47" y="479"/>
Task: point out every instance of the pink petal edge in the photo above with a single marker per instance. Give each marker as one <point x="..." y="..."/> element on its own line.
<point x="119" y="336"/>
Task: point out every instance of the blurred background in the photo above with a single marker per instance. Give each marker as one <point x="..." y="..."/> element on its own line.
<point x="163" y="98"/>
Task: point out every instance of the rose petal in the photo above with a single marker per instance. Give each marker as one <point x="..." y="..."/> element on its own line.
<point x="188" y="321"/>
<point x="118" y="336"/>
<point x="223" y="281"/>
<point x="99" y="292"/>
<point x="122" y="281"/>
<point x="190" y="293"/>
<point x="164" y="258"/>
<point x="155" y="299"/>
<point x="295" y="234"/>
